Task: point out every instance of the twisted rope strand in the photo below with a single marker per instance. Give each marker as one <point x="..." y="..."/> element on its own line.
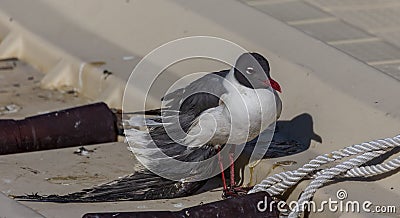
<point x="327" y="175"/>
<point x="279" y="183"/>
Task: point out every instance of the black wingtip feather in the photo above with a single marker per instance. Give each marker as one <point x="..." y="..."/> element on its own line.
<point x="139" y="186"/>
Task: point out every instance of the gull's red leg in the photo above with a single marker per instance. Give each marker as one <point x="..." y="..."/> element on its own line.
<point x="221" y="166"/>
<point x="233" y="190"/>
<point x="232" y="166"/>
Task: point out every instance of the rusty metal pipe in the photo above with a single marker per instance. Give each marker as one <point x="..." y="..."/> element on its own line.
<point x="89" y="124"/>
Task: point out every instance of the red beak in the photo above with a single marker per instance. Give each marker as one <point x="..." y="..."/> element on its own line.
<point x="275" y="85"/>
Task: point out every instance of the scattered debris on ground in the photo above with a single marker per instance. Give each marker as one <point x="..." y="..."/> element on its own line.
<point x="83" y="151"/>
<point x="9" y="109"/>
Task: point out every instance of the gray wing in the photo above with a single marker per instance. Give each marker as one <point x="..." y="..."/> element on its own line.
<point x="198" y="96"/>
<point x="190" y="101"/>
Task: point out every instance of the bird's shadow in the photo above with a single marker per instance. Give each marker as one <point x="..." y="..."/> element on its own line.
<point x="290" y="137"/>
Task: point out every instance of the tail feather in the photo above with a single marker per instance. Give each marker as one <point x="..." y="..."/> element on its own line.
<point x="139" y="186"/>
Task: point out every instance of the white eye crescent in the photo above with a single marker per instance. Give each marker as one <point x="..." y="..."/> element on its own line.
<point x="250" y="70"/>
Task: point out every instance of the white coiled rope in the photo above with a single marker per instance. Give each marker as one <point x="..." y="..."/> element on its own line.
<point x="277" y="184"/>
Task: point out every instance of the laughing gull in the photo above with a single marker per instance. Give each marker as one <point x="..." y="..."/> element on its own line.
<point x="228" y="107"/>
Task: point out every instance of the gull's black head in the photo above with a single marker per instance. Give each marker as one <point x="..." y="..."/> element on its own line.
<point x="252" y="70"/>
